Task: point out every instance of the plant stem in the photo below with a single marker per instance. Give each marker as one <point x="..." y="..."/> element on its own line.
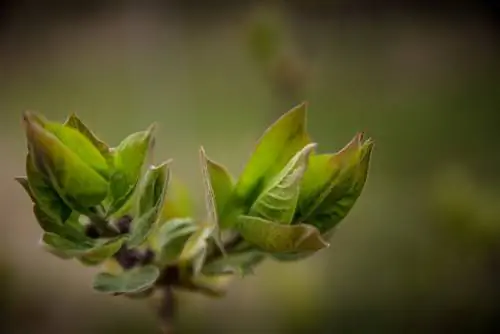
<point x="167" y="310"/>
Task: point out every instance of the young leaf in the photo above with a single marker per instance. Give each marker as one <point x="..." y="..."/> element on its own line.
<point x="23" y="181"/>
<point x="71" y="229"/>
<point x="44" y="196"/>
<point x="278" y="238"/>
<point x="177" y="202"/>
<point x="344" y="192"/>
<point x="81" y="146"/>
<point x="101" y="252"/>
<point x="130" y="281"/>
<point x="76" y="123"/>
<point x="241" y="264"/>
<point x="280" y="142"/>
<point x="277" y="203"/>
<point x="320" y="176"/>
<point x="153" y="188"/>
<point x="80" y="186"/>
<point x="70" y="248"/>
<point x="151" y="200"/>
<point x="212" y="172"/>
<point x="196" y="245"/>
<point x="128" y="160"/>
<point x="172" y="236"/>
<point x="220" y="182"/>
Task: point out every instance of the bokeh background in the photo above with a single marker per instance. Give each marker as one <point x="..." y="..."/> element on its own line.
<point x="420" y="251"/>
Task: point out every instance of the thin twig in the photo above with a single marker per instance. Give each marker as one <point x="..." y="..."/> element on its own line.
<point x="167" y="310"/>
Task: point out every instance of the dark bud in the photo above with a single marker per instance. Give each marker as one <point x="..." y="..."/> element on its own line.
<point x="148" y="257"/>
<point x="91" y="231"/>
<point x="128" y="258"/>
<point x="123" y="224"/>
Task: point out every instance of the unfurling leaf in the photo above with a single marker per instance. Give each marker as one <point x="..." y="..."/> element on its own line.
<point x="151" y="200"/>
<point x="81" y="146"/>
<point x="78" y="184"/>
<point x="278" y="201"/>
<point x="76" y="123"/>
<point x="220" y="180"/>
<point x="177" y="202"/>
<point x="130" y="281"/>
<point x="195" y="247"/>
<point x="23" y="181"/>
<point x="72" y="229"/>
<point x="280" y="142"/>
<point x="218" y="186"/>
<point x="101" y="252"/>
<point x="172" y="236"/>
<point x="44" y="196"/>
<point x="128" y="160"/>
<point x="335" y="198"/>
<point x="88" y="251"/>
<point x="278" y="238"/>
<point x="241" y="264"/>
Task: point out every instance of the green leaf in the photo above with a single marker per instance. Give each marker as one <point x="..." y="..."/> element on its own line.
<point x="241" y="264"/>
<point x="154" y="188"/>
<point x="278" y="201"/>
<point x="320" y="177"/>
<point x="102" y="252"/>
<point x="80" y="186"/>
<point x="81" y="146"/>
<point x="345" y="190"/>
<point x="210" y="195"/>
<point x="178" y="203"/>
<point x="171" y="238"/>
<point x="128" y="160"/>
<point x="23" y="181"/>
<point x="274" y="150"/>
<point x="130" y="281"/>
<point x="278" y="238"/>
<point x="195" y="247"/>
<point x="88" y="251"/>
<point x="71" y="229"/>
<point x="44" y="196"/>
<point x="151" y="198"/>
<point x="68" y="248"/>
<point x="219" y="181"/>
<point x="76" y="123"/>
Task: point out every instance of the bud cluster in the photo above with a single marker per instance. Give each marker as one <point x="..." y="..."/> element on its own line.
<point x="110" y="207"/>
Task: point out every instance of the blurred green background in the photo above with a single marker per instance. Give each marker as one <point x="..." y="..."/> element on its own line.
<point x="420" y="251"/>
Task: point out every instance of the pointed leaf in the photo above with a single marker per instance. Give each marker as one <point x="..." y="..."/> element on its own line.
<point x="210" y="195"/>
<point x="76" y="123"/>
<point x="278" y="238"/>
<point x="274" y="150"/>
<point x="44" y="196"/>
<point x="151" y="198"/>
<point x="128" y="160"/>
<point x="278" y="201"/>
<point x="71" y="229"/>
<point x="320" y="176"/>
<point x="153" y="188"/>
<point x="81" y="146"/>
<point x="221" y="182"/>
<point x="80" y="186"/>
<point x="346" y="189"/>
<point x="23" y="181"/>
<point x="131" y="281"/>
